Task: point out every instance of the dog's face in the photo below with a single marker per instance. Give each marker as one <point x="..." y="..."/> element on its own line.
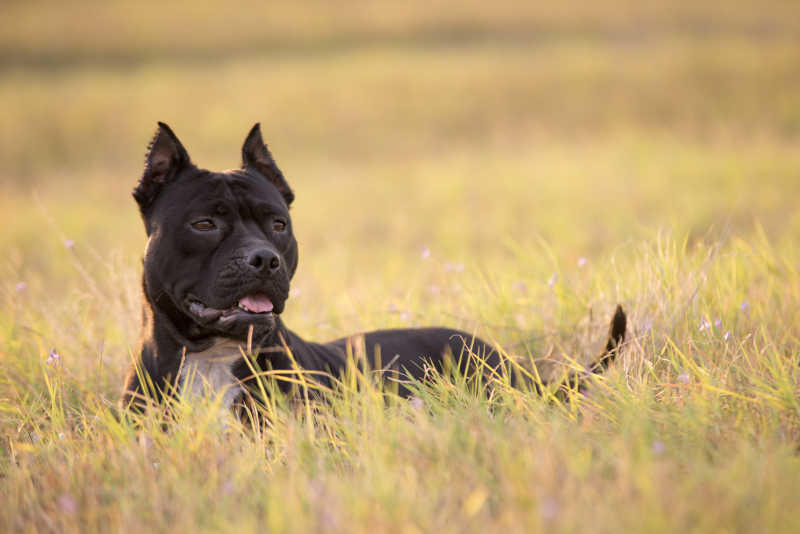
<point x="221" y="251"/>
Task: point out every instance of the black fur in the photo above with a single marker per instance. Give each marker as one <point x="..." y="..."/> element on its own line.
<point x="215" y="238"/>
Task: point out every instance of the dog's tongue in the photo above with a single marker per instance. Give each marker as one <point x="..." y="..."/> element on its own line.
<point x="256" y="303"/>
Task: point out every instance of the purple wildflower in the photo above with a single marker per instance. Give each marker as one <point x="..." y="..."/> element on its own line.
<point x="683" y="378"/>
<point x="745" y="306"/>
<point x="582" y="262"/>
<point x="69" y="243"/>
<point x="228" y="488"/>
<point x="53" y="358"/>
<point x="20" y="287"/>
<point x="548" y="508"/>
<point x="704" y="324"/>
<point x="68" y="504"/>
<point x="426" y="253"/>
<point x="717" y="323"/>
<point x="658" y="447"/>
<point x="453" y="267"/>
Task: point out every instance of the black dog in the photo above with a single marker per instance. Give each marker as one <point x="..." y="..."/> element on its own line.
<point x="219" y="259"/>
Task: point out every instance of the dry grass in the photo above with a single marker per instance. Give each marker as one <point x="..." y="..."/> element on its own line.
<point x="553" y="161"/>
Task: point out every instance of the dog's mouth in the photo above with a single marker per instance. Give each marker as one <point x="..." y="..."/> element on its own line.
<point x="255" y="307"/>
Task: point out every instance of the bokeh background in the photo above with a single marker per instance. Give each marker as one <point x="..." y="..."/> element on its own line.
<point x="487" y="136"/>
<point x="515" y="169"/>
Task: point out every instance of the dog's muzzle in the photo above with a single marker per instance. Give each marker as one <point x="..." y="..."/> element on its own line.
<point x="255" y="309"/>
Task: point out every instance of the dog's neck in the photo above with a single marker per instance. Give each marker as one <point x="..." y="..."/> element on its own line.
<point x="169" y="345"/>
<point x="210" y="372"/>
<point x="170" y="350"/>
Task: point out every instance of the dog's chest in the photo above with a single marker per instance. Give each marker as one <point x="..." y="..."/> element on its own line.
<point x="210" y="372"/>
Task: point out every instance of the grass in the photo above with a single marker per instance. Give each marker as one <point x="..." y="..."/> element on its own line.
<point x="512" y="172"/>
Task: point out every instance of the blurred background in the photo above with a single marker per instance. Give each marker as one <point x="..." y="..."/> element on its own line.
<point x="464" y="133"/>
<point x="511" y="168"/>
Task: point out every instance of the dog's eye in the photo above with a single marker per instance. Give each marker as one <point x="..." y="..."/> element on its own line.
<point x="204" y="225"/>
<point x="278" y="225"/>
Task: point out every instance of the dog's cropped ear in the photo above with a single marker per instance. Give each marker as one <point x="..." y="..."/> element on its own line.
<point x="256" y="156"/>
<point x="165" y="157"/>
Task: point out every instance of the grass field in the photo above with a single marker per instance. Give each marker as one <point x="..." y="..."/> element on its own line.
<point x="512" y="171"/>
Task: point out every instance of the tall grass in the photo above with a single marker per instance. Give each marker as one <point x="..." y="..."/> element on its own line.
<point x="514" y="172"/>
<point x="699" y="417"/>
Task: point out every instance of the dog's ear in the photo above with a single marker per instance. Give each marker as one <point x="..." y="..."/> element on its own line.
<point x="256" y="156"/>
<point x="165" y="157"/>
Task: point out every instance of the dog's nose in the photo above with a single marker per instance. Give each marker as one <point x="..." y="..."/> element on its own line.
<point x="264" y="260"/>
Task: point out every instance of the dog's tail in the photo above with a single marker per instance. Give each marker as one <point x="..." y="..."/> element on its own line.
<point x="577" y="381"/>
<point x="616" y="336"/>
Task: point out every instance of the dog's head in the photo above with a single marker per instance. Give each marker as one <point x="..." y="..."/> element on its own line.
<point x="220" y="251"/>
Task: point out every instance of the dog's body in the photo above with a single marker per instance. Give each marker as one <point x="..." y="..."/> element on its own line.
<point x="219" y="259"/>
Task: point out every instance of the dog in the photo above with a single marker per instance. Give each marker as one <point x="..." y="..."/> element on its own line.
<point x="219" y="259"/>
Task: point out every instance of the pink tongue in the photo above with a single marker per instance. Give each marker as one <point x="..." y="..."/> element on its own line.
<point x="256" y="303"/>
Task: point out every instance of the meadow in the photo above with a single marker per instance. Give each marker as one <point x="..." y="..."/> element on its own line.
<point x="514" y="171"/>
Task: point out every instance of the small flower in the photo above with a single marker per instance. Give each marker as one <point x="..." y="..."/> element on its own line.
<point x="228" y="488"/>
<point x="683" y="378"/>
<point x="582" y="262"/>
<point x="453" y="267"/>
<point x="68" y="504"/>
<point x="658" y="447"/>
<point x="704" y="324"/>
<point x="745" y="306"/>
<point x="717" y="323"/>
<point x="553" y="280"/>
<point x="416" y="403"/>
<point x="520" y="287"/>
<point x="53" y="358"/>
<point x="20" y="287"/>
<point x="426" y="253"/>
<point x="647" y="325"/>
<point x="61" y="436"/>
<point x="548" y="508"/>
<point x="727" y="335"/>
<point x="69" y="243"/>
